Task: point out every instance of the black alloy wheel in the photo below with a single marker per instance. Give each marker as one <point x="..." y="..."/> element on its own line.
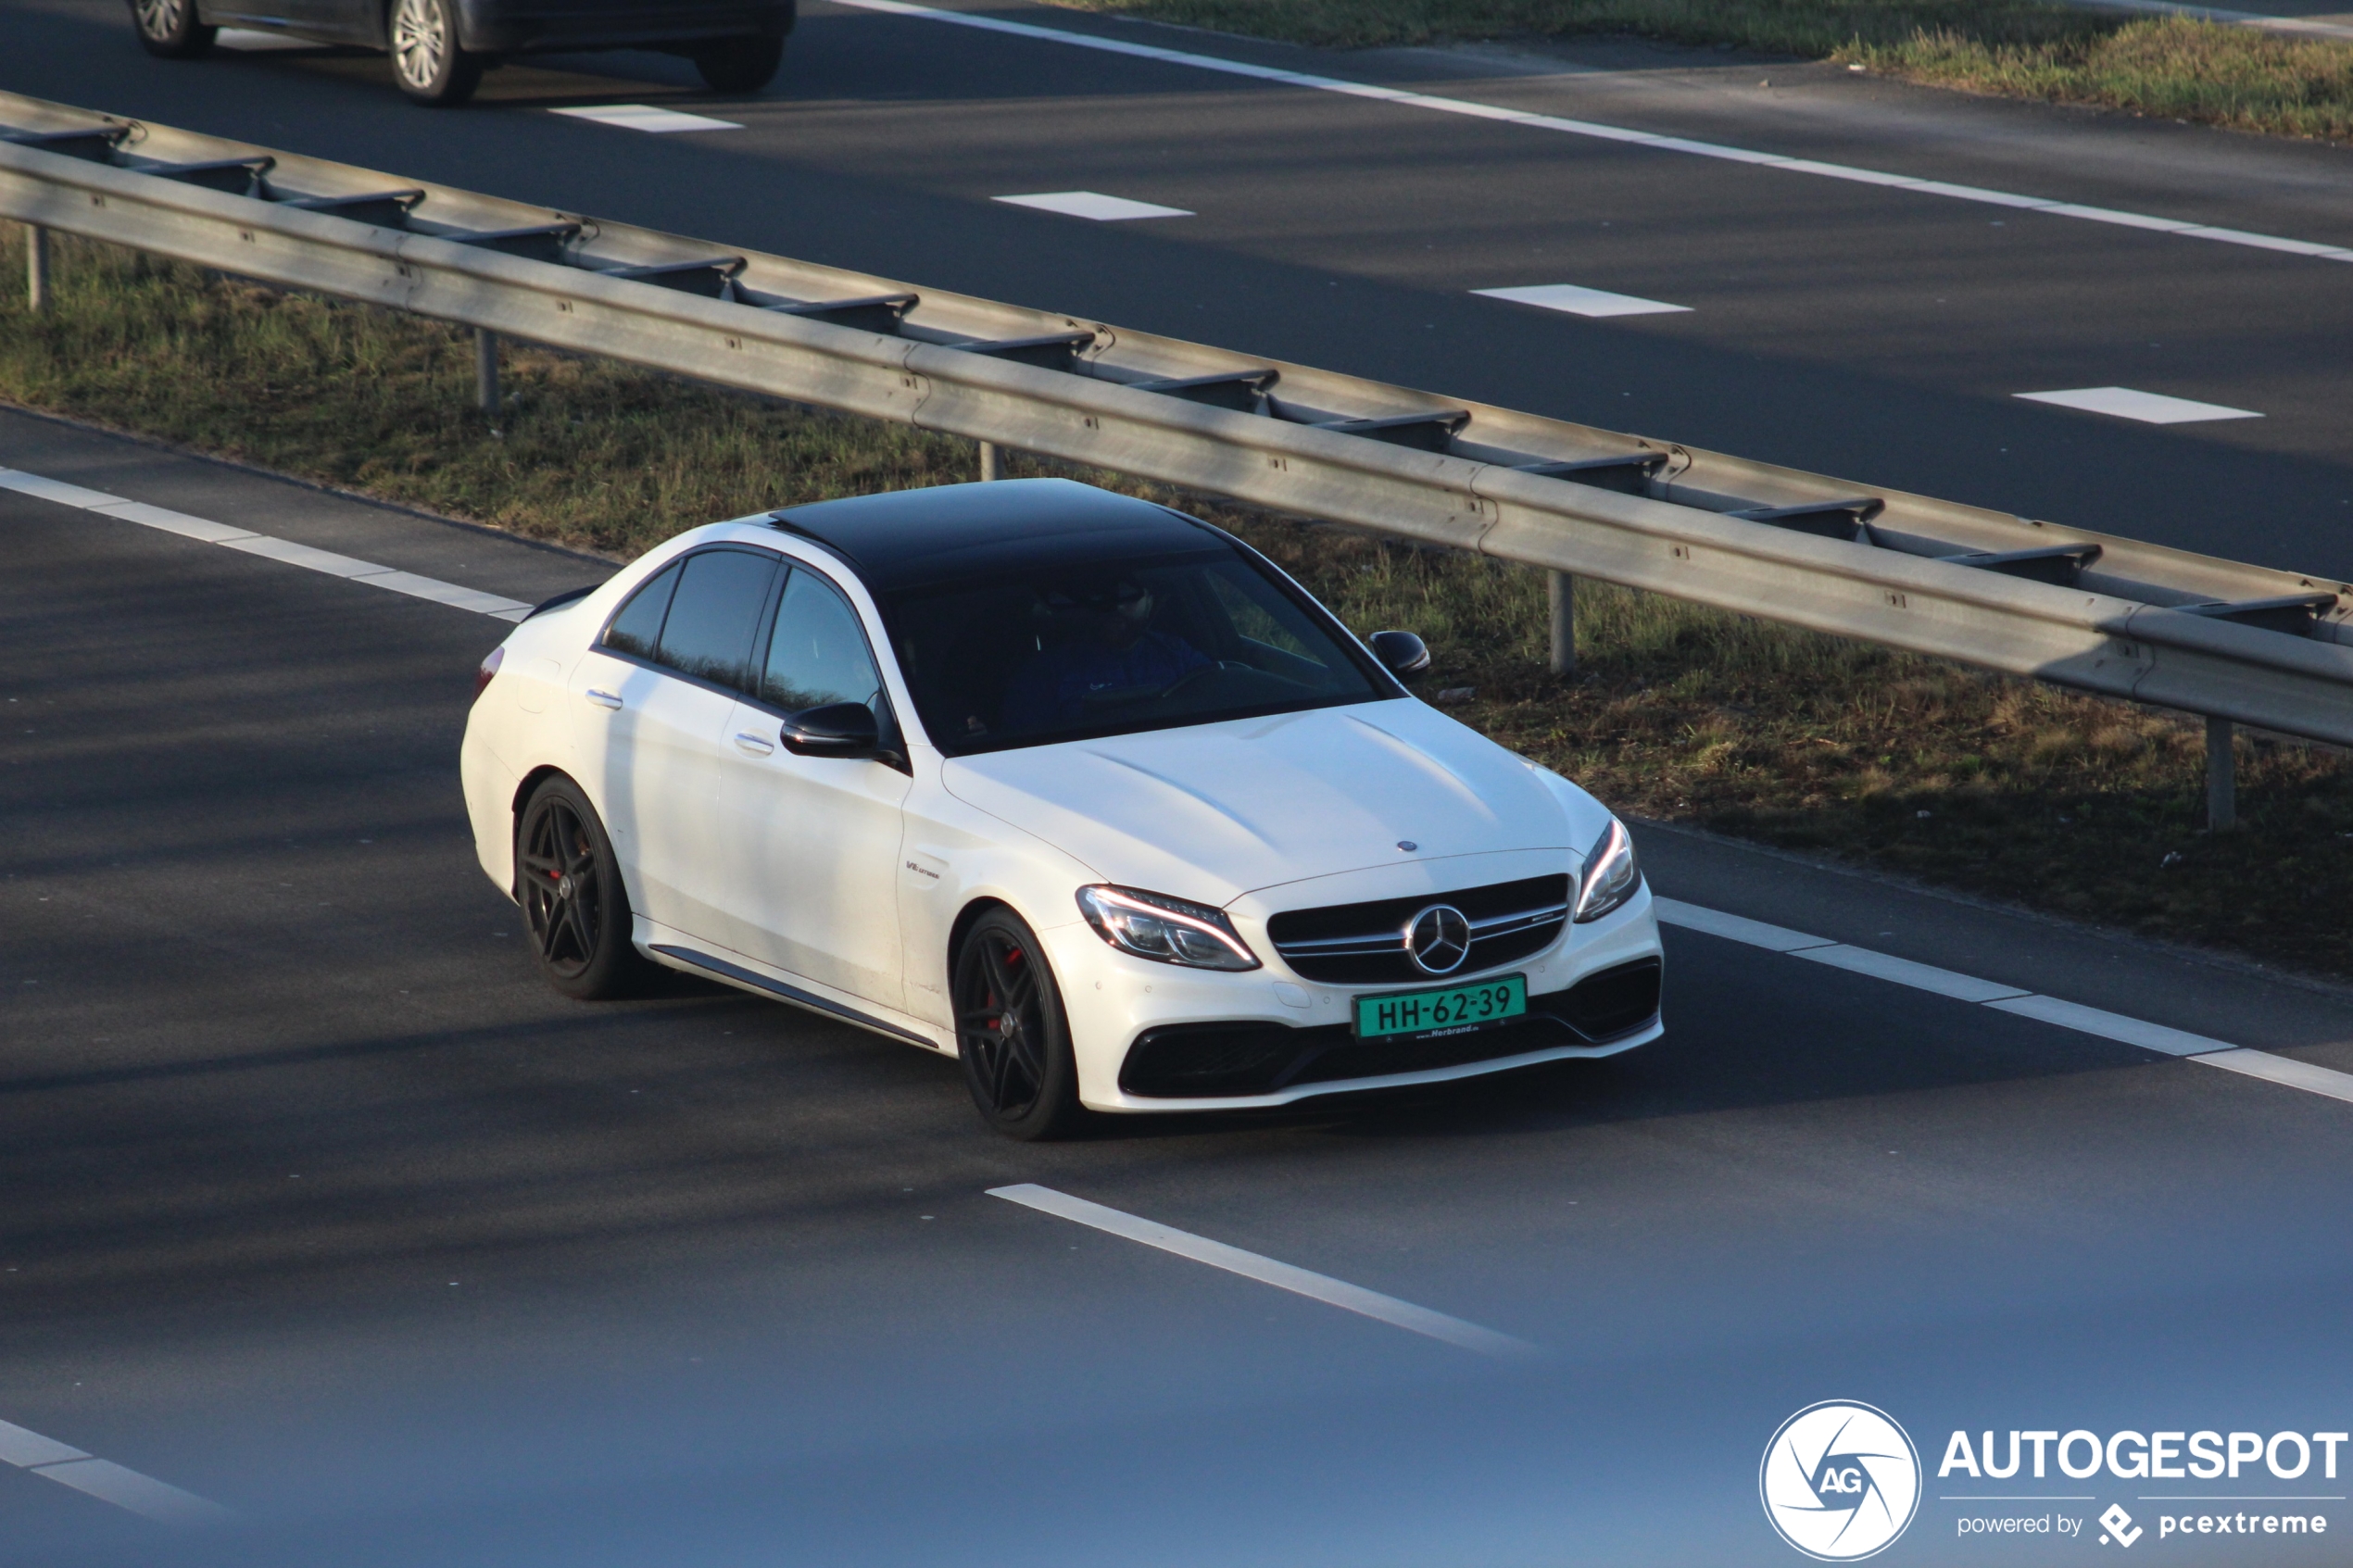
<point x="171" y="29"/>
<point x="572" y="901"/>
<point x="739" y="65"/>
<point x="1011" y="1034"/>
<point x="426" y="61"/>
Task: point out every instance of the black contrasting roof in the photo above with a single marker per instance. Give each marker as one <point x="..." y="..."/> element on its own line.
<point x="908" y="538"/>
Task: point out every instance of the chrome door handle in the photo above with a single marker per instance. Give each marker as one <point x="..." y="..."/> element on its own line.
<point x="759" y="745"/>
<point x="602" y="699"/>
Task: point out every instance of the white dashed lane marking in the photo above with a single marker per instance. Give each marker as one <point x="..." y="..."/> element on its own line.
<point x="2149" y="408"/>
<point x="104" y="1479"/>
<point x="2083" y="1020"/>
<point x="1266" y="1270"/>
<point x="1405" y="98"/>
<point x="285" y="550"/>
<point x="645" y="117"/>
<point x="2280" y="1070"/>
<point x="1579" y="301"/>
<point x="1094" y="205"/>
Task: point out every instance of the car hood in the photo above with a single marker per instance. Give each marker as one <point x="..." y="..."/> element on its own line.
<point x="1212" y="811"/>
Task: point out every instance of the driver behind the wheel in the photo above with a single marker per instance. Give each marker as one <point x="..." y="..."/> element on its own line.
<point x="1095" y="644"/>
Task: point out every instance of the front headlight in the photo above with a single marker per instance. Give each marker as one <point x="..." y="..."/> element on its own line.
<point x="1612" y="875"/>
<point x="1166" y="930"/>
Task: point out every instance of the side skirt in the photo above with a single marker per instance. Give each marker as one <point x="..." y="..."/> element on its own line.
<point x="720" y="968"/>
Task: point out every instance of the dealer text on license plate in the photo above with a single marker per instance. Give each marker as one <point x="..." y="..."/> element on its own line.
<point x="1426" y="1013"/>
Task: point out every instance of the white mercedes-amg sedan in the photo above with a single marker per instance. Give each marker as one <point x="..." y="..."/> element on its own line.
<point x="1079" y="789"/>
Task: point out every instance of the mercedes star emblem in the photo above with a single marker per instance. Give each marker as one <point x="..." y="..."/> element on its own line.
<point x="1438" y="939"/>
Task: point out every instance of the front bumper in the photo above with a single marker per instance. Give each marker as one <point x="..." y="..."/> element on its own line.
<point x="1158" y="1037"/>
<point x="1230" y="1060"/>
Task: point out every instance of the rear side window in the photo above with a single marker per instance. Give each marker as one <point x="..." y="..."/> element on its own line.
<point x="818" y="653"/>
<point x="638" y="629"/>
<point x="715" y="613"/>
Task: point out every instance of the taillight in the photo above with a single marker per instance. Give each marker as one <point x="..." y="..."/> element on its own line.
<point x="489" y="667"/>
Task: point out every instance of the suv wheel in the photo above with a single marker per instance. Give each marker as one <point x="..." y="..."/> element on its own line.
<point x="426" y="60"/>
<point x="171" y="28"/>
<point x="739" y="65"/>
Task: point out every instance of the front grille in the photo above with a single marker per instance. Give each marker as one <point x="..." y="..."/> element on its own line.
<point x="1365" y="943"/>
<point x="1211" y="1060"/>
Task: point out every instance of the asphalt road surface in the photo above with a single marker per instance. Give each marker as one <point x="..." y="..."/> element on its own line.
<point x="321" y="1208"/>
<point x="1877" y="334"/>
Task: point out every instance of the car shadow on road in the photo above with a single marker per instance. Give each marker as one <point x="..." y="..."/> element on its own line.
<point x="1746" y="1030"/>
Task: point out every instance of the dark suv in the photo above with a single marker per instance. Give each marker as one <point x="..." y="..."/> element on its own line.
<point x="440" y="48"/>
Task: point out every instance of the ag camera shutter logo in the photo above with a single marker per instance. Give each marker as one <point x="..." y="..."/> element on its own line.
<point x="1840" y="1481"/>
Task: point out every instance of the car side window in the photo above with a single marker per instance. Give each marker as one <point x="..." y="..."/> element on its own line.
<point x="638" y="629"/>
<point x="715" y="614"/>
<point x="818" y="652"/>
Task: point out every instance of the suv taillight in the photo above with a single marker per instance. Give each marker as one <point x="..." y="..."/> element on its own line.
<point x="489" y="668"/>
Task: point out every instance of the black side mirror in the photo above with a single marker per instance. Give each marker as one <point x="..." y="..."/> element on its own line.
<point x="838" y="729"/>
<point x="1401" y="653"/>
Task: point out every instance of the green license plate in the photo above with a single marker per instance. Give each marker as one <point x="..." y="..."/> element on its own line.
<point x="1426" y="1014"/>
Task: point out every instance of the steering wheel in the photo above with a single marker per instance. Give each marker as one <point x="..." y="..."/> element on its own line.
<point x="1190" y="676"/>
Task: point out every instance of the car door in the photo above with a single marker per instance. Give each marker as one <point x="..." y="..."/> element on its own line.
<point x="665" y="678"/>
<point x="813" y="841"/>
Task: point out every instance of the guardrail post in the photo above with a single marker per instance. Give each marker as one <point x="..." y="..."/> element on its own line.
<point x="36" y="267"/>
<point x="2222" y="784"/>
<point x="1560" y="594"/>
<point x="487" y="371"/>
<point x="989" y="466"/>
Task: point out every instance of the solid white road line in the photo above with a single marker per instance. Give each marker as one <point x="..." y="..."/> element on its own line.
<point x="1266" y="1270"/>
<point x="2285" y="1069"/>
<point x="187" y="527"/>
<point x="1904" y="971"/>
<point x="2183" y="227"/>
<point x="645" y="117"/>
<point x="285" y="550"/>
<point x="25" y="1448"/>
<point x="2149" y="408"/>
<point x="1094" y="205"/>
<point x="1736" y="928"/>
<point x="1577" y="301"/>
<point x="2108" y="1026"/>
<point x="1694" y="917"/>
<point x="104" y="1479"/>
<point x="2083" y="1020"/>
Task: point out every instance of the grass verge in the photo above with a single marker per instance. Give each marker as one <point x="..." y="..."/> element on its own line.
<point x="2171" y="68"/>
<point x="2075" y="805"/>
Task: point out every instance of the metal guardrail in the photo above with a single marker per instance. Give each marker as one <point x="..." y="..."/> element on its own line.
<point x="2092" y="611"/>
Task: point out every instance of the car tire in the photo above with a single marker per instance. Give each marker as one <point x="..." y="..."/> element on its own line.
<point x="739" y="65"/>
<point x="170" y="29"/>
<point x="426" y="60"/>
<point x="1011" y="1033"/>
<point x="574" y="908"/>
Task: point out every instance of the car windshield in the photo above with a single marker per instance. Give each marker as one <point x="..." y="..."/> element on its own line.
<point x="1065" y="652"/>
